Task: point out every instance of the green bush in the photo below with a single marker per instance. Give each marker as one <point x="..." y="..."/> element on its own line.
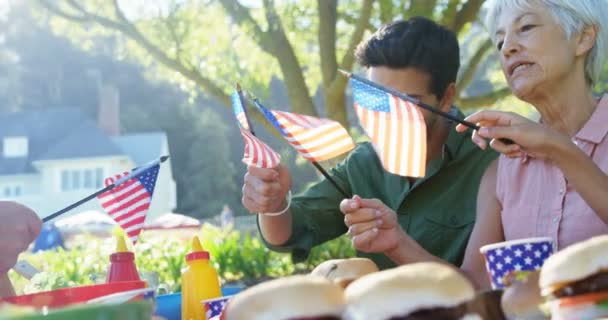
<point x="237" y="257"/>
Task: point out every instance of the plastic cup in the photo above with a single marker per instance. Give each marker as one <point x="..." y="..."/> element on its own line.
<point x="521" y="256"/>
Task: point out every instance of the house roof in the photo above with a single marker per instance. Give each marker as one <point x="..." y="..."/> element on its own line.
<point x="65" y="134"/>
<point x="141" y="147"/>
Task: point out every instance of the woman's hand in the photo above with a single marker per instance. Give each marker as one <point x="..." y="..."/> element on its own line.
<point x="529" y="137"/>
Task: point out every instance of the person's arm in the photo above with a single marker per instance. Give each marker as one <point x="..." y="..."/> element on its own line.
<point x="264" y="191"/>
<point x="542" y="142"/>
<point x="6" y="287"/>
<point x="584" y="176"/>
<point x="487" y="229"/>
<point x="313" y="216"/>
<point x="387" y="236"/>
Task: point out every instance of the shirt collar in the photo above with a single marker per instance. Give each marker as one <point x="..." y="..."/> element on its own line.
<point x="453" y="143"/>
<point x="596" y="129"/>
<point x="451" y="147"/>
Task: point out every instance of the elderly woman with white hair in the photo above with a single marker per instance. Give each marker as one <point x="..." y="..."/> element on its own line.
<point x="551" y="181"/>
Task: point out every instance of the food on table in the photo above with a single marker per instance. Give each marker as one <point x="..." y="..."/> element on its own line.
<point x="417" y="291"/>
<point x="522" y="299"/>
<point x="46" y="281"/>
<point x="300" y="297"/>
<point x="575" y="280"/>
<point x="345" y="271"/>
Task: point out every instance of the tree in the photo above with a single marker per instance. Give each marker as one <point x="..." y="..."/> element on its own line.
<point x="33" y="61"/>
<point x="211" y="183"/>
<point x="303" y="41"/>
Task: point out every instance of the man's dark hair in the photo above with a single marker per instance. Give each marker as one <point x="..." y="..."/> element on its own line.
<point x="417" y="43"/>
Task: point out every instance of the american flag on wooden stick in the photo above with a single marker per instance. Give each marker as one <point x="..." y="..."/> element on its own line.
<point x="257" y="153"/>
<point x="128" y="203"/>
<point x="395" y="126"/>
<point x="316" y="139"/>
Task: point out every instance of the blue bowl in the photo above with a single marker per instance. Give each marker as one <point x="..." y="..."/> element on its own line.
<point x="169" y="306"/>
<point x="231" y="290"/>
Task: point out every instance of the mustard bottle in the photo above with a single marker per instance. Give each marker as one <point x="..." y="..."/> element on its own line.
<point x="199" y="282"/>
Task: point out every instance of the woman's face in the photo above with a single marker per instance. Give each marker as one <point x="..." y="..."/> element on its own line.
<point x="534" y="50"/>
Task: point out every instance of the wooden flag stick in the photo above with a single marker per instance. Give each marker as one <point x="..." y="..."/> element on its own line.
<point x="418" y="103"/>
<point x="134" y="173"/>
<point x="314" y="163"/>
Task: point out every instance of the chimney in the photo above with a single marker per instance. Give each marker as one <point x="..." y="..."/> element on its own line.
<point x="108" y="113"/>
<point x="15" y="147"/>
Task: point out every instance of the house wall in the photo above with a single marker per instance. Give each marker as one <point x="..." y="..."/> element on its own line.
<point x="45" y="192"/>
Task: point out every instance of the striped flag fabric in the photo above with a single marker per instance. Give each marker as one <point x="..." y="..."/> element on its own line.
<point x="257" y="153"/>
<point x="316" y="139"/>
<point x="395" y="126"/>
<point x="128" y="203"/>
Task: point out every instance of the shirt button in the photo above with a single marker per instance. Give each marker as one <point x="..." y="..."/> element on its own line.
<point x="556" y="219"/>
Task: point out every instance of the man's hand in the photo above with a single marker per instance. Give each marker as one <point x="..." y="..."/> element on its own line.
<point x="372" y="225"/>
<point x="264" y="190"/>
<point x="19" y="226"/>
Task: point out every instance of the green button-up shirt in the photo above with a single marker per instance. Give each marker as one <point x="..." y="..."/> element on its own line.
<point x="438" y="211"/>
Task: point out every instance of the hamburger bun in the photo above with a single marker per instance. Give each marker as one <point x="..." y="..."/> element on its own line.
<point x="345" y="271"/>
<point x="404" y="290"/>
<point x="522" y="299"/>
<point x="574" y="263"/>
<point x="301" y="296"/>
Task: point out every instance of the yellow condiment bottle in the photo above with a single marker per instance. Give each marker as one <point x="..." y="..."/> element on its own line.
<point x="199" y="282"/>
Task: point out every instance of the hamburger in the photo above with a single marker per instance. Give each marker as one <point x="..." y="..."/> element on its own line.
<point x="522" y="300"/>
<point x="301" y="297"/>
<point x="420" y="291"/>
<point x="574" y="281"/>
<point x="345" y="271"/>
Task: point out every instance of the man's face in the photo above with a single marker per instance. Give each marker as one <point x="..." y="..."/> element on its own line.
<point x="412" y="82"/>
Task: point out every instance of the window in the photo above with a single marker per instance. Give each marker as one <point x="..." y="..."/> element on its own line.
<point x="88" y="179"/>
<point x="15" y="147"/>
<point x="65" y="180"/>
<point x="99" y="178"/>
<point x="11" y="191"/>
<point x="81" y="179"/>
<point x="75" y="179"/>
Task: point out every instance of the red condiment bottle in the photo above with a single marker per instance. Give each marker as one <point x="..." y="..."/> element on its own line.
<point x="122" y="263"/>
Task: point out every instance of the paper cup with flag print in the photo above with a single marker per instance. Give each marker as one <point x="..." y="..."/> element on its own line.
<point x="215" y="307"/>
<point x="515" y="257"/>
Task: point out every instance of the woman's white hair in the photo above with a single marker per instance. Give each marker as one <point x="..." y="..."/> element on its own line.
<point x="574" y="16"/>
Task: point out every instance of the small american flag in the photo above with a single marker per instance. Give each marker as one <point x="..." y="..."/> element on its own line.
<point x="257" y="153"/>
<point x="316" y="139"/>
<point x="214" y="307"/>
<point x="395" y="126"/>
<point x="128" y="203"/>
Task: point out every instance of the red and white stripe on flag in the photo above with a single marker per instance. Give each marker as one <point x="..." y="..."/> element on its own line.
<point x="399" y="136"/>
<point x="316" y="139"/>
<point x="128" y="203"/>
<point x="257" y="153"/>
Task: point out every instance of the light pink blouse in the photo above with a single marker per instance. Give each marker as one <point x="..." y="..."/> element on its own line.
<point x="536" y="199"/>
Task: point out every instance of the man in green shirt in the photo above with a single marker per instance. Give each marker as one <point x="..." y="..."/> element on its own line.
<point x="419" y="58"/>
